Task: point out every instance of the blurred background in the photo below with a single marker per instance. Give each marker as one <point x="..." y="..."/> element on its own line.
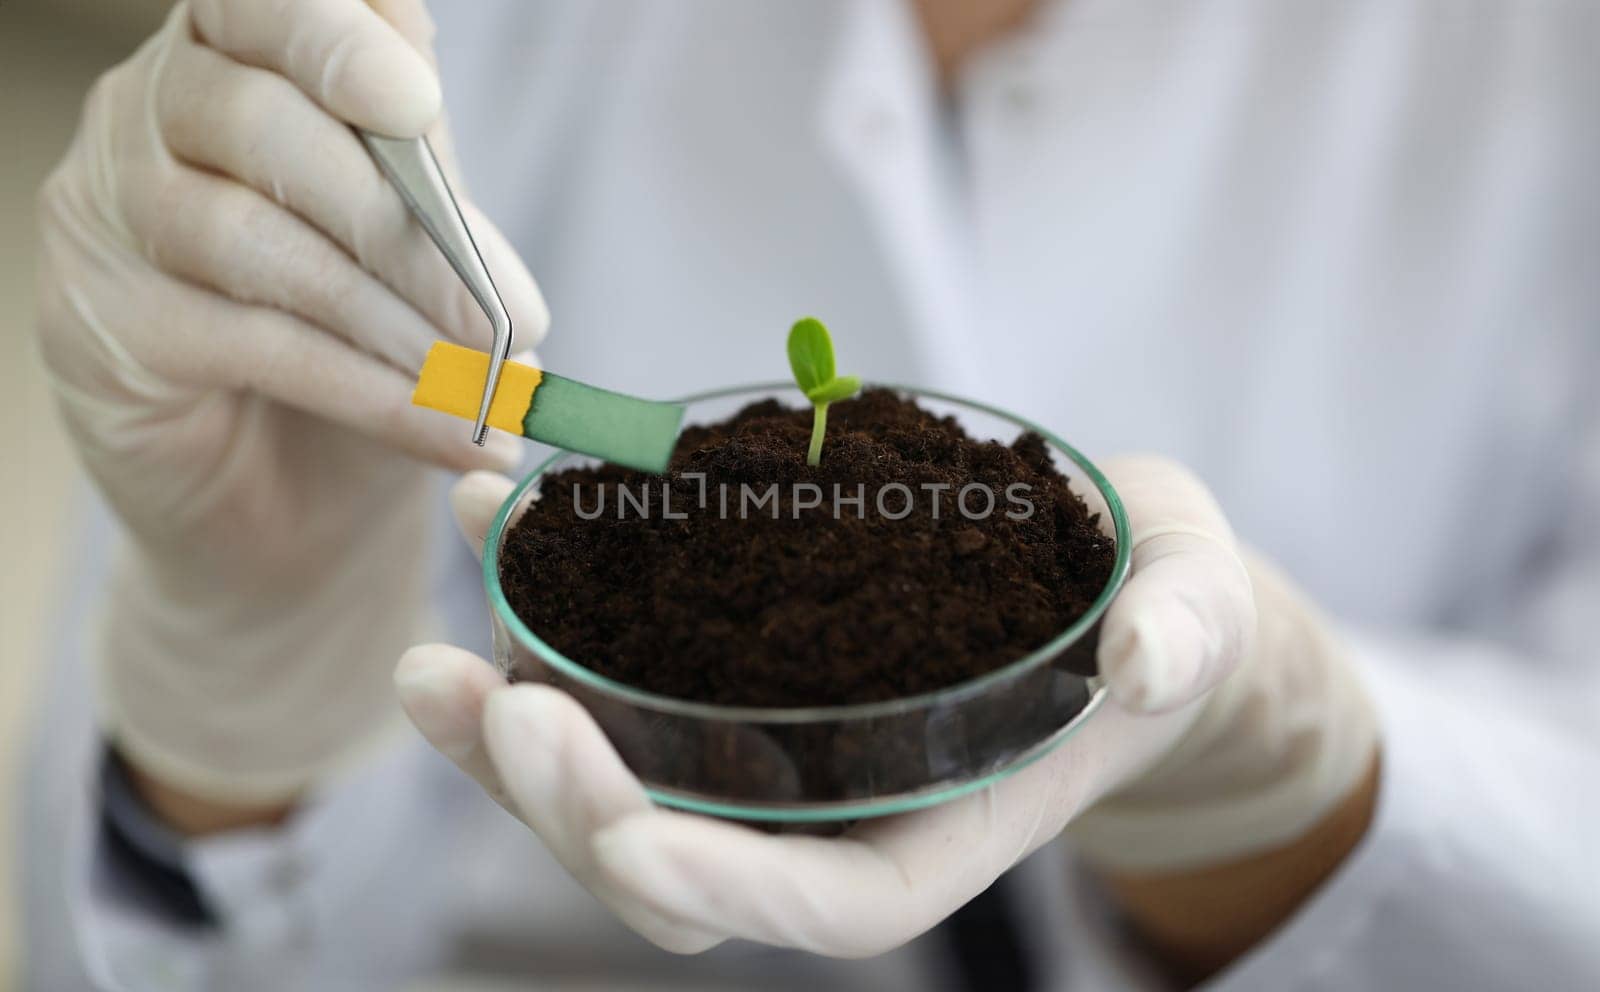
<point x="50" y="51"/>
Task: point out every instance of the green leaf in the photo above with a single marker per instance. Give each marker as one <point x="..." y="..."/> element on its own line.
<point x="811" y="358"/>
<point x="810" y="354"/>
<point x="834" y="390"/>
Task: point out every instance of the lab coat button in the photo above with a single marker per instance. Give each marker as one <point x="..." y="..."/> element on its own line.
<point x="1020" y="98"/>
<point x="286" y="875"/>
<point x="876" y="128"/>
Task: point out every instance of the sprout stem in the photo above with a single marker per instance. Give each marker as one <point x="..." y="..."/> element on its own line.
<point x="819" y="426"/>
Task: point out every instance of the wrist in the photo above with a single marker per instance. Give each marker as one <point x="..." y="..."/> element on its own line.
<point x="248" y="703"/>
<point x="1198" y="921"/>
<point x="194" y="815"/>
<point x="1286" y="738"/>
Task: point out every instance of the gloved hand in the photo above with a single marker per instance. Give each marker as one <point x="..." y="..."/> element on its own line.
<point x="234" y="304"/>
<point x="1235" y="724"/>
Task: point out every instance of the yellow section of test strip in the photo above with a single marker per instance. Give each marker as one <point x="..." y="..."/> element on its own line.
<point x="452" y="381"/>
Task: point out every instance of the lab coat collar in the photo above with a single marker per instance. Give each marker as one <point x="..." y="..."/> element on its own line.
<point x="879" y="122"/>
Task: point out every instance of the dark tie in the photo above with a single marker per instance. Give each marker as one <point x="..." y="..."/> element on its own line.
<point x="986" y="942"/>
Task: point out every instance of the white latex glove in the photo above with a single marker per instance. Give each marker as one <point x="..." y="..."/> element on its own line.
<point x="234" y="304"/>
<point x="1224" y="735"/>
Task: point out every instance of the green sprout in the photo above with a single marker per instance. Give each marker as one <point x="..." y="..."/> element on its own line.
<point x="811" y="358"/>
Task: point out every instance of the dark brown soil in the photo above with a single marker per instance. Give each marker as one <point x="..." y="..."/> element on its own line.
<point x="815" y="610"/>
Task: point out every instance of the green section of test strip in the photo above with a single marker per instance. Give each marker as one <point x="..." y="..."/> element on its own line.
<point x="623" y="429"/>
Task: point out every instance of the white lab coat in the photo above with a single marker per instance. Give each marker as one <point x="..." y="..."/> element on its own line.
<point x="1342" y="256"/>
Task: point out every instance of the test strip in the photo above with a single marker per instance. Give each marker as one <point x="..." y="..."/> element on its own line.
<point x="627" y="430"/>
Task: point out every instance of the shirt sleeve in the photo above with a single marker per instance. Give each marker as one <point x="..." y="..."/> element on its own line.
<point x="273" y="908"/>
<point x="143" y="852"/>
<point x="1479" y="871"/>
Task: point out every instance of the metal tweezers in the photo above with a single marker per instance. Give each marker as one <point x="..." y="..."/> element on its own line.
<point x="414" y="171"/>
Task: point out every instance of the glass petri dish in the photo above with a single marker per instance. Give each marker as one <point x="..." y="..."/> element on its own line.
<point x="830" y="763"/>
